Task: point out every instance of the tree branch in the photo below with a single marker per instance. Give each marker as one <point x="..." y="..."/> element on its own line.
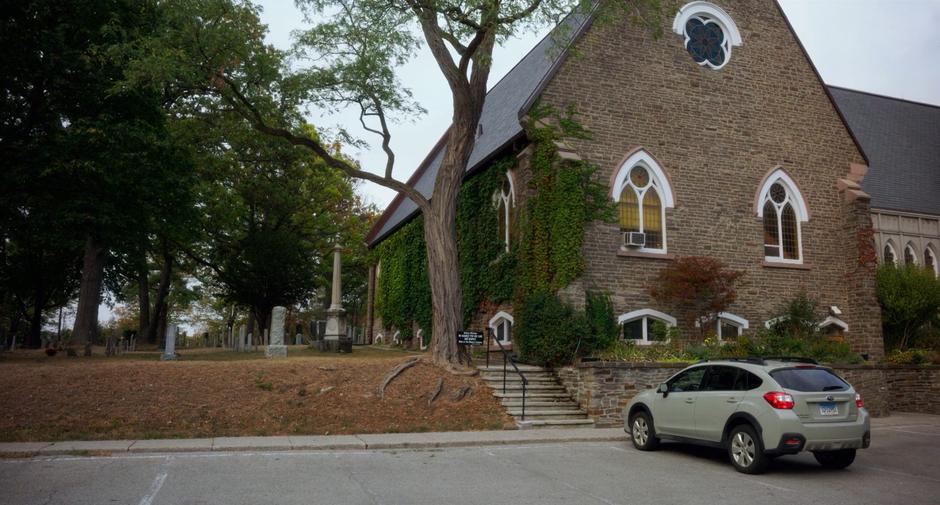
<point x="251" y="113"/>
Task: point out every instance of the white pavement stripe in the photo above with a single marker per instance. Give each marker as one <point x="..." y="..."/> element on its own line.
<point x="601" y="499"/>
<point x="905" y="474"/>
<point x="773" y="486"/>
<point x="154" y="489"/>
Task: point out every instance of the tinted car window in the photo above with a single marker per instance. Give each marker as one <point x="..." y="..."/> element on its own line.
<point x="746" y="381"/>
<point x="809" y="379"/>
<point x="689" y="380"/>
<point x="720" y="378"/>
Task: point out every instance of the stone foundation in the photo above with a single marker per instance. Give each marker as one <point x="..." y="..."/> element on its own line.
<point x="603" y="389"/>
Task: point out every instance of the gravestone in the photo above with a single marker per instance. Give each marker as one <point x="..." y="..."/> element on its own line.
<point x="276" y="347"/>
<point x="242" y="338"/>
<point x="169" y="350"/>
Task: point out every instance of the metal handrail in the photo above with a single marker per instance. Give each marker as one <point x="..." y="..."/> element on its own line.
<point x="507" y="356"/>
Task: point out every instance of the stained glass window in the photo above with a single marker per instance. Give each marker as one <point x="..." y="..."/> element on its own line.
<point x="781" y="224"/>
<point x="646" y="217"/>
<point x="505" y="211"/>
<point x="705" y="41"/>
<point x="652" y="219"/>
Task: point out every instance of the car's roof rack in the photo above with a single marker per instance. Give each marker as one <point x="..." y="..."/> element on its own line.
<point x="750" y="359"/>
<point x="763" y="361"/>
<point x="793" y="359"/>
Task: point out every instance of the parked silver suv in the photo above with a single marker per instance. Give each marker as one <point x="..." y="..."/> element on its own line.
<point x="755" y="408"/>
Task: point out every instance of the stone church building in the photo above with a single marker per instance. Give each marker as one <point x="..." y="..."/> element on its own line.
<point x="717" y="138"/>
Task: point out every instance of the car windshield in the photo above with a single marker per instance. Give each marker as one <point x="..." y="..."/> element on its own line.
<point x="809" y="379"/>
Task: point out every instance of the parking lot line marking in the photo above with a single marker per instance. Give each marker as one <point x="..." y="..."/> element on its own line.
<point x="918" y="433"/>
<point x="913" y="475"/>
<point x="601" y="499"/>
<point x="154" y="488"/>
<point x="773" y="486"/>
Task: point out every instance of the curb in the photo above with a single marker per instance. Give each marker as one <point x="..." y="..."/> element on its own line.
<point x="387" y="441"/>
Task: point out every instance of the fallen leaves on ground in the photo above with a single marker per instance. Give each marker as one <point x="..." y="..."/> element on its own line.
<point x="75" y="399"/>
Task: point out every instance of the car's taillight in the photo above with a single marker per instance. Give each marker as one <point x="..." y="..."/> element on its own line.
<point x="779" y="400"/>
<point x="858" y="400"/>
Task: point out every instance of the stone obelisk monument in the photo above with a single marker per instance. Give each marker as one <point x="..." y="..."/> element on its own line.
<point x="276" y="347"/>
<point x="336" y="315"/>
<point x="169" y="350"/>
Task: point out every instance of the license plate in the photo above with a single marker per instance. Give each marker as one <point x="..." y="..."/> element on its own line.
<point x="828" y="409"/>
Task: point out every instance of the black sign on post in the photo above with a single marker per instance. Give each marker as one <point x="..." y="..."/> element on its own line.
<point x="470" y="338"/>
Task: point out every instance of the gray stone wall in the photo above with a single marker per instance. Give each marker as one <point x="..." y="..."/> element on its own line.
<point x="603" y="389"/>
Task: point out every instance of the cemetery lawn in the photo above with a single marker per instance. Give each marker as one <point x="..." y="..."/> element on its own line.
<point x="212" y="393"/>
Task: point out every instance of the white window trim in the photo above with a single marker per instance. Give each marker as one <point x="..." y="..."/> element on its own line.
<point x="658" y="180"/>
<point x="795" y="199"/>
<point x="734" y="320"/>
<point x="710" y="12"/>
<point x="501" y="317"/>
<point x="646" y="315"/>
<point x="833" y="321"/>
<point x="928" y="251"/>
<point x="420" y="336"/>
<point x="509" y="202"/>
<point x="828" y="321"/>
<point x="894" y="252"/>
<point x="396" y="338"/>
<point x="910" y="247"/>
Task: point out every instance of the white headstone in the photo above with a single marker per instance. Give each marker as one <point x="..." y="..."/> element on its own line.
<point x="169" y="350"/>
<point x="276" y="348"/>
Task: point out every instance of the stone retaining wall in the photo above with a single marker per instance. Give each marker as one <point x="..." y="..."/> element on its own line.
<point x="603" y="389"/>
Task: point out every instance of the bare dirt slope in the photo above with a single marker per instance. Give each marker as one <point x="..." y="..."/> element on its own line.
<point x="124" y="398"/>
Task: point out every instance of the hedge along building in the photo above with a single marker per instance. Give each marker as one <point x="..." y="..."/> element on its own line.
<point x="717" y="139"/>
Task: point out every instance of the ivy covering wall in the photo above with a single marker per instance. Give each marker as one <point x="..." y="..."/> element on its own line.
<point x="545" y="253"/>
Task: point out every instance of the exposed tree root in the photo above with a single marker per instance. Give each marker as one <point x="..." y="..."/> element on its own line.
<point x="462" y="393"/>
<point x="395" y="372"/>
<point x="437" y="391"/>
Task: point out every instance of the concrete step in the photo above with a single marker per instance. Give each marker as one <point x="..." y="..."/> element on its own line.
<point x="555" y="423"/>
<point x="523" y="368"/>
<point x="512" y="373"/>
<point x="547" y="412"/>
<point x="530" y="387"/>
<point x="548" y="417"/>
<point x="530" y="394"/>
<point x="494" y="381"/>
<point x="542" y="402"/>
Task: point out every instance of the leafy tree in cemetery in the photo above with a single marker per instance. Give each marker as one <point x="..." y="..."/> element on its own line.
<point x="271" y="216"/>
<point x="91" y="165"/>
<point x="216" y="48"/>
<point x="910" y="301"/>
<point x="700" y="286"/>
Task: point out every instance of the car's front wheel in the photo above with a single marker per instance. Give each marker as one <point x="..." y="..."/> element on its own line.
<point x="746" y="450"/>
<point x="642" y="432"/>
<point x="835" y="459"/>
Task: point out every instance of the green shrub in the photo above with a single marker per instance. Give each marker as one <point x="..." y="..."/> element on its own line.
<point x="798" y="319"/>
<point x="548" y="331"/>
<point x="908" y="357"/>
<point x="602" y="324"/>
<point x="910" y="301"/>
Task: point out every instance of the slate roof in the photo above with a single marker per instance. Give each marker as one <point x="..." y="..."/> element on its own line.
<point x="902" y="143"/>
<point x="505" y="102"/>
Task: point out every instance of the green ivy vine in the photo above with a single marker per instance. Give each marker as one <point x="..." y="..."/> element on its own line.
<point x="545" y="257"/>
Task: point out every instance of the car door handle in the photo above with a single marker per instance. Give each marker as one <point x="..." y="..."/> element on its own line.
<point x="732" y="400"/>
<point x="690" y="400"/>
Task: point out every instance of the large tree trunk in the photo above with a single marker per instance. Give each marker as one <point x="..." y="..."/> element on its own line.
<point x="160" y="304"/>
<point x="143" y="300"/>
<point x="440" y="234"/>
<point x="85" y="328"/>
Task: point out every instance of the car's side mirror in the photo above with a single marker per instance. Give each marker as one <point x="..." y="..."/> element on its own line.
<point x="664" y="389"/>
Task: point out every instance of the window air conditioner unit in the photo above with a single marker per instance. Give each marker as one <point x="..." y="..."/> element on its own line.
<point x="634" y="239"/>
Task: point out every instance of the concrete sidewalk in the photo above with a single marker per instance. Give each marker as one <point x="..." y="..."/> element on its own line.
<point x="330" y="442"/>
<point x="360" y="442"/>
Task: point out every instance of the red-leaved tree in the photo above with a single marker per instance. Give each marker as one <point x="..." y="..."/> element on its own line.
<point x="701" y="286"/>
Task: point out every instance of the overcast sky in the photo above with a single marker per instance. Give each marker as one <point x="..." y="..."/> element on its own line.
<point x="889" y="47"/>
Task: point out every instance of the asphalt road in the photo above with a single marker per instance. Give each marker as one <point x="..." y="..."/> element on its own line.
<point x="902" y="467"/>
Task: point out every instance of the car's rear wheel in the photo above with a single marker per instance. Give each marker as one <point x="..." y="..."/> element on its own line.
<point x="642" y="432"/>
<point x="746" y="450"/>
<point x="835" y="459"/>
